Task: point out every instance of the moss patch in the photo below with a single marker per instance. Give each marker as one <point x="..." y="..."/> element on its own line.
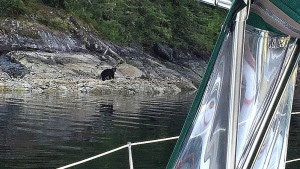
<point x="58" y="23"/>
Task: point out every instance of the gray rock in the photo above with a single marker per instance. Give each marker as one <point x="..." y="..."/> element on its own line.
<point x="12" y="67"/>
<point x="130" y="71"/>
<point x="163" y="51"/>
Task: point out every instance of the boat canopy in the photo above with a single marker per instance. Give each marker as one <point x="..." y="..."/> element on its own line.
<point x="241" y="113"/>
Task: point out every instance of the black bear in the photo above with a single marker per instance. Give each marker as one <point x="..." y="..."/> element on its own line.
<point x="108" y="74"/>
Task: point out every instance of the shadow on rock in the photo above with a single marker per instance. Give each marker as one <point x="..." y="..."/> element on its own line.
<point x="12" y="67"/>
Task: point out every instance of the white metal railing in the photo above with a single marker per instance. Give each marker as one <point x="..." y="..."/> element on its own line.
<point x="129" y="145"/>
<point x="295" y="113"/>
<point x="294" y="160"/>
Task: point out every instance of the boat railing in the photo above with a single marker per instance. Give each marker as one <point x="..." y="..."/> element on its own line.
<point x="128" y="145"/>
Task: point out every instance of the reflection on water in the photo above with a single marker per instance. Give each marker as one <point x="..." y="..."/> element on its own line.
<point x="48" y="131"/>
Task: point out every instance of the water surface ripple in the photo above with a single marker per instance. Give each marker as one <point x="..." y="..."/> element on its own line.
<point x="48" y="131"/>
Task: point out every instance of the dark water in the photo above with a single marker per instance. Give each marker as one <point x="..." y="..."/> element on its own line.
<point x="48" y="131"/>
<point x="294" y="136"/>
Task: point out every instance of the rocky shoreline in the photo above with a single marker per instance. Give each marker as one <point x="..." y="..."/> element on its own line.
<point x="44" y="72"/>
<point x="120" y="86"/>
<point x="34" y="58"/>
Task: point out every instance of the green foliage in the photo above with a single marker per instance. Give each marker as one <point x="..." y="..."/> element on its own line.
<point x="185" y="24"/>
<point x="12" y="7"/>
<point x="58" y="23"/>
<point x="55" y="3"/>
